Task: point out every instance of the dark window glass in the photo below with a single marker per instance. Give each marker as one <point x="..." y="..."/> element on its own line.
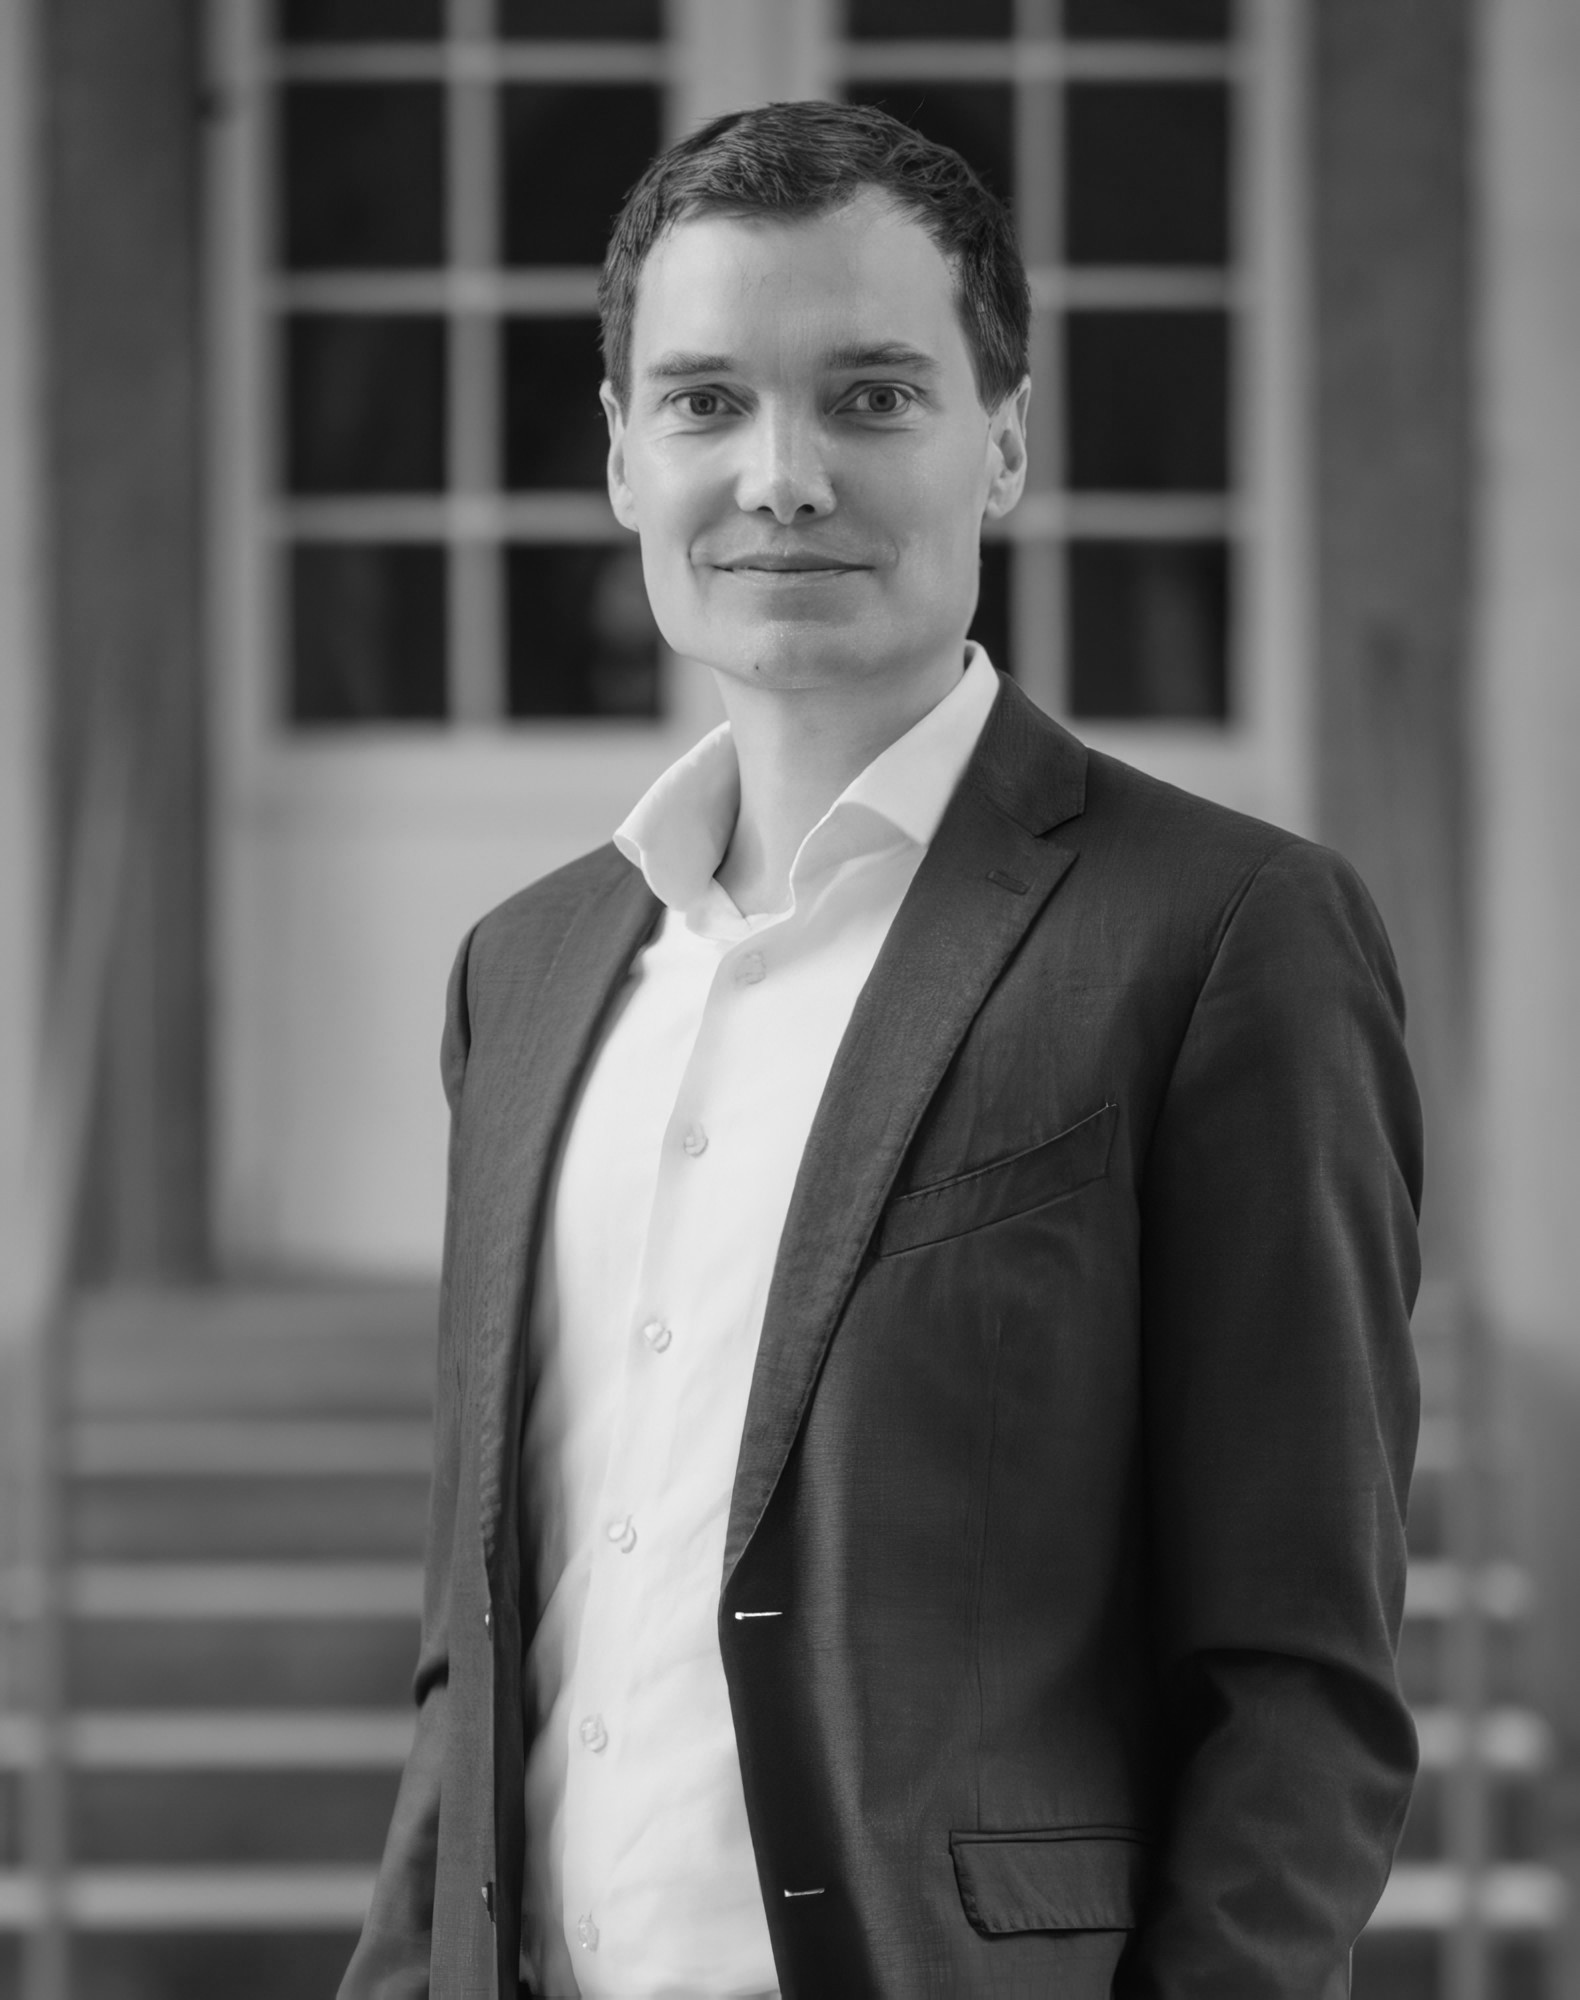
<point x="364" y="401"/>
<point x="976" y="119"/>
<point x="928" y="20"/>
<point x="367" y="633"/>
<point x="1147" y="401"/>
<point x="581" y="637"/>
<point x="1147" y="175"/>
<point x="570" y="155"/>
<point x="359" y="20"/>
<point x="990" y="626"/>
<point x="554" y="425"/>
<point x="363" y="176"/>
<point x="1149" y="628"/>
<point x="1147" y="20"/>
<point x="581" y="20"/>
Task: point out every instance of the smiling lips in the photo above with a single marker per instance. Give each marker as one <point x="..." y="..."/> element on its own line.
<point x="804" y="563"/>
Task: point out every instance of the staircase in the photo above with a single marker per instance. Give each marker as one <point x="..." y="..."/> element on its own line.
<point x="247" y="1483"/>
<point x="1472" y="1911"/>
<point x="247" y="1487"/>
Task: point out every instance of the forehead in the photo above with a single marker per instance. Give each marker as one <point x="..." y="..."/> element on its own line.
<point x="861" y="275"/>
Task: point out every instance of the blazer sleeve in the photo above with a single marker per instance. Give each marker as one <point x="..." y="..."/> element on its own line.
<point x="1279" y="1267"/>
<point x="392" y="1958"/>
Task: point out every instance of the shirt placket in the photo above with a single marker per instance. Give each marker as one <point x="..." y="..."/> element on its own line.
<point x="637" y="1560"/>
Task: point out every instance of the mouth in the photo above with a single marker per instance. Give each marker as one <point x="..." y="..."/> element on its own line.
<point x="797" y="565"/>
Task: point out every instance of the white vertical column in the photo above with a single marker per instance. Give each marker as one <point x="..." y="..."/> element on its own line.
<point x="1529" y="665"/>
<point x="733" y="53"/>
<point x="23" y="803"/>
<point x="1037" y="568"/>
<point x="476" y="621"/>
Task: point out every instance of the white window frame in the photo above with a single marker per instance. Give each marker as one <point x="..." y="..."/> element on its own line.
<point x="720" y="53"/>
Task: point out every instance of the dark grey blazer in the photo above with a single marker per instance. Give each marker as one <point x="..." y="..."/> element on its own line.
<point x="1078" y="1445"/>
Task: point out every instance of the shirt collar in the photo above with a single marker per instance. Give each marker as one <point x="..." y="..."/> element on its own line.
<point x="679" y="830"/>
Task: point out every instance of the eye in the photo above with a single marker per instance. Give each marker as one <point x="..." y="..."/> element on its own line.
<point x="700" y="403"/>
<point x="881" y="399"/>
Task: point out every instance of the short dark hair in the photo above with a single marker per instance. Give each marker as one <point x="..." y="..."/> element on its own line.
<point x="797" y="161"/>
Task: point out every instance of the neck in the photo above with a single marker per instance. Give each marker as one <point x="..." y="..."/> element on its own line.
<point x="798" y="748"/>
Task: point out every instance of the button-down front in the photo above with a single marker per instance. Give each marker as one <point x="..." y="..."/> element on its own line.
<point x="666" y="1214"/>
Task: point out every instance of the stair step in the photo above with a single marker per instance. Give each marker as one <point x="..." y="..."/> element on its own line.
<point x="221" y="1740"/>
<point x="1414" y="1965"/>
<point x="310" y="1353"/>
<point x="305" y="1663"/>
<point x="198" y="1899"/>
<point x="1434" y="1896"/>
<point x="242" y="1448"/>
<point x="247" y="1518"/>
<point x="192" y="1818"/>
<point x="237" y="1965"/>
<point x="1440" y="1589"/>
<point x="1506" y="1739"/>
<point x="145" y="1591"/>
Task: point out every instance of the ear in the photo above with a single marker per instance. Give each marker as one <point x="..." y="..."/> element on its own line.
<point x="1007" y="451"/>
<point x="621" y="498"/>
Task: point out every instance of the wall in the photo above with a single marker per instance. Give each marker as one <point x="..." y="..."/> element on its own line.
<point x="121" y="188"/>
<point x="1394" y="477"/>
<point x="22" y="843"/>
<point x="1529" y="739"/>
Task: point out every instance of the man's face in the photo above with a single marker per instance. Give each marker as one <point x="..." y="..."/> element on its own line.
<point x="805" y="455"/>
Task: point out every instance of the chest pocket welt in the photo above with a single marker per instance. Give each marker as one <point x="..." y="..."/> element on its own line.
<point x="1088" y="1878"/>
<point x="1028" y="1180"/>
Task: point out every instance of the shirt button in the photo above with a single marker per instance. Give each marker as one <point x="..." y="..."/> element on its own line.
<point x="695" y="1142"/>
<point x="623" y="1534"/>
<point x="587" y="1932"/>
<point x="593" y="1734"/>
<point x="751" y="969"/>
<point x="657" y="1335"/>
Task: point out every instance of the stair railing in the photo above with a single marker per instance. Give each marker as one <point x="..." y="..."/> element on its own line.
<point x="77" y="1009"/>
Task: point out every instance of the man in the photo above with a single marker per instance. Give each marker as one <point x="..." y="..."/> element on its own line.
<point x="925" y="1396"/>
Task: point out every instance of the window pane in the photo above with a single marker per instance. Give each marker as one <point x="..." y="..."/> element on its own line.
<point x="359" y="20"/>
<point x="367" y="633"/>
<point x="976" y="119"/>
<point x="554" y="425"/>
<point x="1147" y="20"/>
<point x="581" y="637"/>
<point x="364" y="403"/>
<point x="570" y="154"/>
<point x="363" y="176"/>
<point x="1147" y="401"/>
<point x="990" y="626"/>
<point x="930" y="20"/>
<point x="581" y="20"/>
<point x="1149" y="629"/>
<point x="1147" y="175"/>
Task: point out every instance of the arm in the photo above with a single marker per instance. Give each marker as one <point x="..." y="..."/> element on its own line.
<point x="1279" y="1266"/>
<point x="391" y="1961"/>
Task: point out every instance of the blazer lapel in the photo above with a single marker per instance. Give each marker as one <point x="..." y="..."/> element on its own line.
<point x="985" y="877"/>
<point x="530" y="1086"/>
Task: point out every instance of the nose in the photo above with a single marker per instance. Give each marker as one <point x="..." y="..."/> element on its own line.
<point x="783" y="472"/>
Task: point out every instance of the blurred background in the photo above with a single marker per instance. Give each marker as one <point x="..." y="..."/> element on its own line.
<point x="317" y="637"/>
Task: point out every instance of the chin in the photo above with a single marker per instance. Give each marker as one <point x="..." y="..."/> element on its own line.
<point x="798" y="655"/>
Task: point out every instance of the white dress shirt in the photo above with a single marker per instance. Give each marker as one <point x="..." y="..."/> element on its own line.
<point x="663" y="1228"/>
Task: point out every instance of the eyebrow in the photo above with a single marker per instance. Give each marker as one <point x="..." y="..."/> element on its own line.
<point x="679" y="363"/>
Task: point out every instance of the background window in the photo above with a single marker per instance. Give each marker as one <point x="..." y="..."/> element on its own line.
<point x="442" y="181"/>
<point x="1109" y="124"/>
